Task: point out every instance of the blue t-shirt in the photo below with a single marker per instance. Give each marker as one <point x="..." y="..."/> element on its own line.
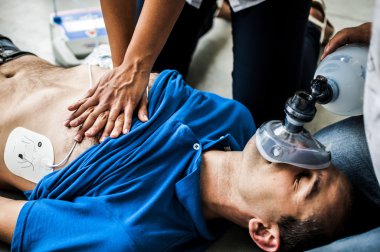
<point x="141" y="191"/>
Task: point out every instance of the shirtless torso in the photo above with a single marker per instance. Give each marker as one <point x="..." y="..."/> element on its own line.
<point x="35" y="94"/>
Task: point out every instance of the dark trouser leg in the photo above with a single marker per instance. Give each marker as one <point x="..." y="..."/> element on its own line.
<point x="268" y="45"/>
<point x="311" y="53"/>
<point x="183" y="39"/>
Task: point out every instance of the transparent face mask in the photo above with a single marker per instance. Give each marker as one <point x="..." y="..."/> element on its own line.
<point x="278" y="145"/>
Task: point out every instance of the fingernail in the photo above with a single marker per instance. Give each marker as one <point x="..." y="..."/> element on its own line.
<point x="113" y="134"/>
<point x="145" y="117"/>
<point x="102" y="139"/>
<point x="78" y="138"/>
<point x="125" y="131"/>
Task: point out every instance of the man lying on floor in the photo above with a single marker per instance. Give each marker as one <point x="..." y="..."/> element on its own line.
<point x="170" y="184"/>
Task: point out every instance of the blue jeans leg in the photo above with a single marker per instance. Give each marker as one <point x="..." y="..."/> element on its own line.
<point x="349" y="152"/>
<point x="368" y="241"/>
<point x="347" y="142"/>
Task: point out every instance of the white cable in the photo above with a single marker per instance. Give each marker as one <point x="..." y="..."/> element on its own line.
<point x="64" y="161"/>
<point x="90" y="75"/>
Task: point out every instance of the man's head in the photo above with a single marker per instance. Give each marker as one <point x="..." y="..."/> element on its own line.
<point x="289" y="207"/>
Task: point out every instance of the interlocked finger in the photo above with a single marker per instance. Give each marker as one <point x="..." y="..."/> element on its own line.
<point x="92" y="117"/>
<point x="100" y="123"/>
<point x="118" y="127"/>
<point x="143" y="109"/>
<point x="86" y="105"/>
<point x="128" y="113"/>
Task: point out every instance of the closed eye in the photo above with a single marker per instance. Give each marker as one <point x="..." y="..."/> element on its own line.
<point x="315" y="186"/>
<point x="299" y="176"/>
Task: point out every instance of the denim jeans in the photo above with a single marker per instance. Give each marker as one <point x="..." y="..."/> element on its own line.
<point x="347" y="143"/>
<point x="349" y="152"/>
<point x="368" y="241"/>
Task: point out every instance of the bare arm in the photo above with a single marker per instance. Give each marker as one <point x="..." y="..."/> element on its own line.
<point x="123" y="88"/>
<point x="152" y="31"/>
<point x="119" y="17"/>
<point x="9" y="212"/>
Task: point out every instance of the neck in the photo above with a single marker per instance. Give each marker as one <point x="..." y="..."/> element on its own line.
<point x="219" y="178"/>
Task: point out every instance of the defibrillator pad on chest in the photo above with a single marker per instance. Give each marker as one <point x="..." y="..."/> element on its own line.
<point x="28" y="154"/>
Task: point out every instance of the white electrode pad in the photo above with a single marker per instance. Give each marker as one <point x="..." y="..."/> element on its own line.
<point x="28" y="154"/>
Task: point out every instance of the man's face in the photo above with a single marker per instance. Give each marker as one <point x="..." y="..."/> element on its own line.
<point x="277" y="190"/>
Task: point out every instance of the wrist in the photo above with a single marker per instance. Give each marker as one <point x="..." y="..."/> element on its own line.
<point x="139" y="63"/>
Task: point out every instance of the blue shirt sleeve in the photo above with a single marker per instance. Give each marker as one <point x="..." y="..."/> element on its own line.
<point x="57" y="225"/>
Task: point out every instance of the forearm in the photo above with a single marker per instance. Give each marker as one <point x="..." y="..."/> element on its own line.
<point x="122" y="90"/>
<point x="152" y="31"/>
<point x="119" y="18"/>
<point x="9" y="212"/>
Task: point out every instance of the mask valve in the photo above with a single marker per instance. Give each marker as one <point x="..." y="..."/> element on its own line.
<point x="289" y="142"/>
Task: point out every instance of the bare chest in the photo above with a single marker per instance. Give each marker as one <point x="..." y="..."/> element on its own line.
<point x="42" y="108"/>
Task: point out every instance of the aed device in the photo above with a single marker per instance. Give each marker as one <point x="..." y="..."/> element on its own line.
<point x="76" y="33"/>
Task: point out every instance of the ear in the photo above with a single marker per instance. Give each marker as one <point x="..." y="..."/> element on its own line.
<point x="266" y="237"/>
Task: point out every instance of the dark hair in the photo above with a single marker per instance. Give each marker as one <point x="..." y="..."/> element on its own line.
<point x="300" y="235"/>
